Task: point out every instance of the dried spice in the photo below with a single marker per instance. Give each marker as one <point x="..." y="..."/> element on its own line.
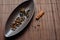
<point x="26" y="13"/>
<point x="39" y="14"/>
<point x="22" y="19"/>
<point x="17" y="24"/>
<point x="13" y="26"/>
<point x="22" y="10"/>
<point x="17" y="20"/>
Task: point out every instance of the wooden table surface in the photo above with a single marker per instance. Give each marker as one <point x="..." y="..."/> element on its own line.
<point x="49" y="28"/>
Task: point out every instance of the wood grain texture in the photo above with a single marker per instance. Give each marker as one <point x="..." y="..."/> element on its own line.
<point x="49" y="28"/>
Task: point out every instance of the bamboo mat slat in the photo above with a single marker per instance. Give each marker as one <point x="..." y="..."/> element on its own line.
<point x="49" y="28"/>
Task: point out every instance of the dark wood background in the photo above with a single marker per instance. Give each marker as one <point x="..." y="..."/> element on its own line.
<point x="49" y="28"/>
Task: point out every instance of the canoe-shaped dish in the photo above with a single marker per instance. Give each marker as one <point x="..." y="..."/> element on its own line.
<point x="19" y="18"/>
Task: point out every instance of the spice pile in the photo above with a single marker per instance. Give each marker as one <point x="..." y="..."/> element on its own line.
<point x="20" y="19"/>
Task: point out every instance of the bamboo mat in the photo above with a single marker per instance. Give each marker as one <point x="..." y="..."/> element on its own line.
<point x="49" y="28"/>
